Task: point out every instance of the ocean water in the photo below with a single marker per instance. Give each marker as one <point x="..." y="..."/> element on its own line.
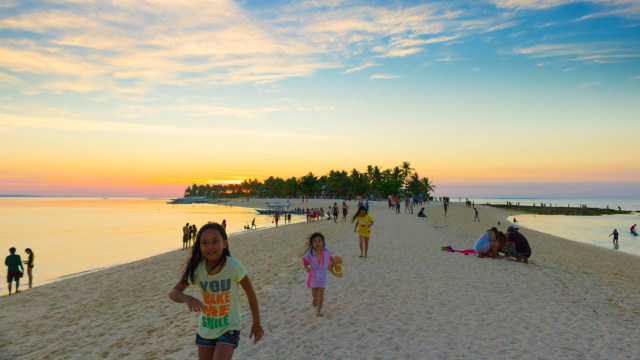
<point x="625" y="204"/>
<point x="72" y="236"/>
<point x="594" y="230"/>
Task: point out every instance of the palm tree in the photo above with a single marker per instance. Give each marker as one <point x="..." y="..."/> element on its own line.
<point x="406" y="170"/>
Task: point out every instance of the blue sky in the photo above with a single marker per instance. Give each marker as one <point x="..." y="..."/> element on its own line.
<point x="159" y="94"/>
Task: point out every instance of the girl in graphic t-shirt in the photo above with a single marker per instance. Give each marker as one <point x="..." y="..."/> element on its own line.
<point x="317" y="260"/>
<point x="217" y="274"/>
<point x="363" y="221"/>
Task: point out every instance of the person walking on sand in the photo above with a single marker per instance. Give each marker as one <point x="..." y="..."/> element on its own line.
<point x="317" y="260"/>
<point x="276" y="217"/>
<point x="253" y="224"/>
<point x="476" y="217"/>
<point x="334" y="212"/>
<point x="364" y="222"/>
<point x="615" y="236"/>
<point x="633" y="230"/>
<point x="224" y="224"/>
<point x="186" y="231"/>
<point x="345" y="211"/>
<point x="219" y="277"/>
<point x="29" y="263"/>
<point x="14" y="264"/>
<point x="445" y="208"/>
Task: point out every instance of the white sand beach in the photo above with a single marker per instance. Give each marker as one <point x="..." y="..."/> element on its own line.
<point x="407" y="300"/>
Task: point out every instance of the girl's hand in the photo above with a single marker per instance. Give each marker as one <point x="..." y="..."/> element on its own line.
<point x="194" y="304"/>
<point x="307" y="268"/>
<point x="256" y="332"/>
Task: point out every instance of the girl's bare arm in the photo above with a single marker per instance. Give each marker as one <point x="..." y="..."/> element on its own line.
<point x="256" y="329"/>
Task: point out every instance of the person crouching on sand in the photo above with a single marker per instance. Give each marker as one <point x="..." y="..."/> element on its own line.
<point x="317" y="260"/>
<point x="520" y="248"/>
<point x="488" y="244"/>
<point x="217" y="274"/>
<point x="364" y="222"/>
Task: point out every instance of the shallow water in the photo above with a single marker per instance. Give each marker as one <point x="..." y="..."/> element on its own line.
<point x="594" y="230"/>
<point x="71" y="236"/>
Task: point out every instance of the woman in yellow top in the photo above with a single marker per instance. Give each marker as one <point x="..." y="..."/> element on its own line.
<point x="364" y="221"/>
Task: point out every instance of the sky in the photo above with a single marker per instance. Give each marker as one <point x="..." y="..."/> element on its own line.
<point x="485" y="98"/>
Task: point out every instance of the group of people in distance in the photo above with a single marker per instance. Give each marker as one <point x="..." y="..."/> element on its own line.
<point x="219" y="277"/>
<point x="15" y="269"/>
<point x="512" y="244"/>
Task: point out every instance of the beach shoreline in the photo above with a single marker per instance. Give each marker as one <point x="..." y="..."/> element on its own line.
<point x="570" y="302"/>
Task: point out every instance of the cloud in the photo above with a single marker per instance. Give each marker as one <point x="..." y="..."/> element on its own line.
<point x="9" y="79"/>
<point x="544" y="63"/>
<point x="589" y="84"/>
<point x="636" y="77"/>
<point x="384" y="76"/>
<point x="362" y="67"/>
<point x="586" y="52"/>
<point x="76" y="125"/>
<point x="624" y="8"/>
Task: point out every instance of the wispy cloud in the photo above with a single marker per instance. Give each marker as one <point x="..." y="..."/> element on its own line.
<point x="636" y="77"/>
<point x="384" y="76"/>
<point x="78" y="125"/>
<point x="626" y="8"/>
<point x="589" y="84"/>
<point x="543" y="63"/>
<point x="598" y="53"/>
<point x="361" y="67"/>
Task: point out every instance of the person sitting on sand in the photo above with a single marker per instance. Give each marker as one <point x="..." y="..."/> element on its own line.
<point x="487" y="244"/>
<point x="14" y="264"/>
<point x="421" y="213"/>
<point x="519" y="248"/>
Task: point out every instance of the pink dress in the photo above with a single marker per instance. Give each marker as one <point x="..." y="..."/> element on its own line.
<point x="318" y="274"/>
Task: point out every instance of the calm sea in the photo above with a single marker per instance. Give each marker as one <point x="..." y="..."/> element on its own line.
<point x="72" y="236"/>
<point x="592" y="230"/>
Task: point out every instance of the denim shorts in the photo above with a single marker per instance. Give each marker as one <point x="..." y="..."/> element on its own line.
<point x="231" y="337"/>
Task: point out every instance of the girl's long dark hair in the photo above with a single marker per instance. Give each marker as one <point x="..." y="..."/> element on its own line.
<point x="196" y="254"/>
<point x="358" y="213"/>
<point x="309" y="244"/>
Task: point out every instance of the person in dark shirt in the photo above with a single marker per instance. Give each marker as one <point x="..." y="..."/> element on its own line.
<point x="521" y="249"/>
<point x="14" y="269"/>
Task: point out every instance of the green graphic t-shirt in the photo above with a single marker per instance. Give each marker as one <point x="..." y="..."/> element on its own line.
<point x="220" y="296"/>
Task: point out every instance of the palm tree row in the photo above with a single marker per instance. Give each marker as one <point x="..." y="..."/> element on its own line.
<point x="379" y="183"/>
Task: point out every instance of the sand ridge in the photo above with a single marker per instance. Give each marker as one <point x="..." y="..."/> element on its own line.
<point x="408" y="300"/>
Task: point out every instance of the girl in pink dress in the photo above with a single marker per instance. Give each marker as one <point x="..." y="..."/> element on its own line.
<point x="316" y="262"/>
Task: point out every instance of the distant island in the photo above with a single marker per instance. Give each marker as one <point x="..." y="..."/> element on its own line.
<point x="20" y="195"/>
<point x="375" y="182"/>
<point x="549" y="210"/>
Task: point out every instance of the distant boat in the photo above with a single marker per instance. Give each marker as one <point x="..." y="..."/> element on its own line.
<point x="279" y="208"/>
<point x="281" y="211"/>
<point x="195" y="200"/>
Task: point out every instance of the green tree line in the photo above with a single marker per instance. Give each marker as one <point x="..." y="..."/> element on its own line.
<point x="398" y="180"/>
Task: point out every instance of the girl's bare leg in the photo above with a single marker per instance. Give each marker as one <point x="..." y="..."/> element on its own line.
<point x="361" y="238"/>
<point x="223" y="352"/>
<point x="314" y="294"/>
<point x="206" y="353"/>
<point x="366" y="245"/>
<point x="30" y="276"/>
<point x="320" y="292"/>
